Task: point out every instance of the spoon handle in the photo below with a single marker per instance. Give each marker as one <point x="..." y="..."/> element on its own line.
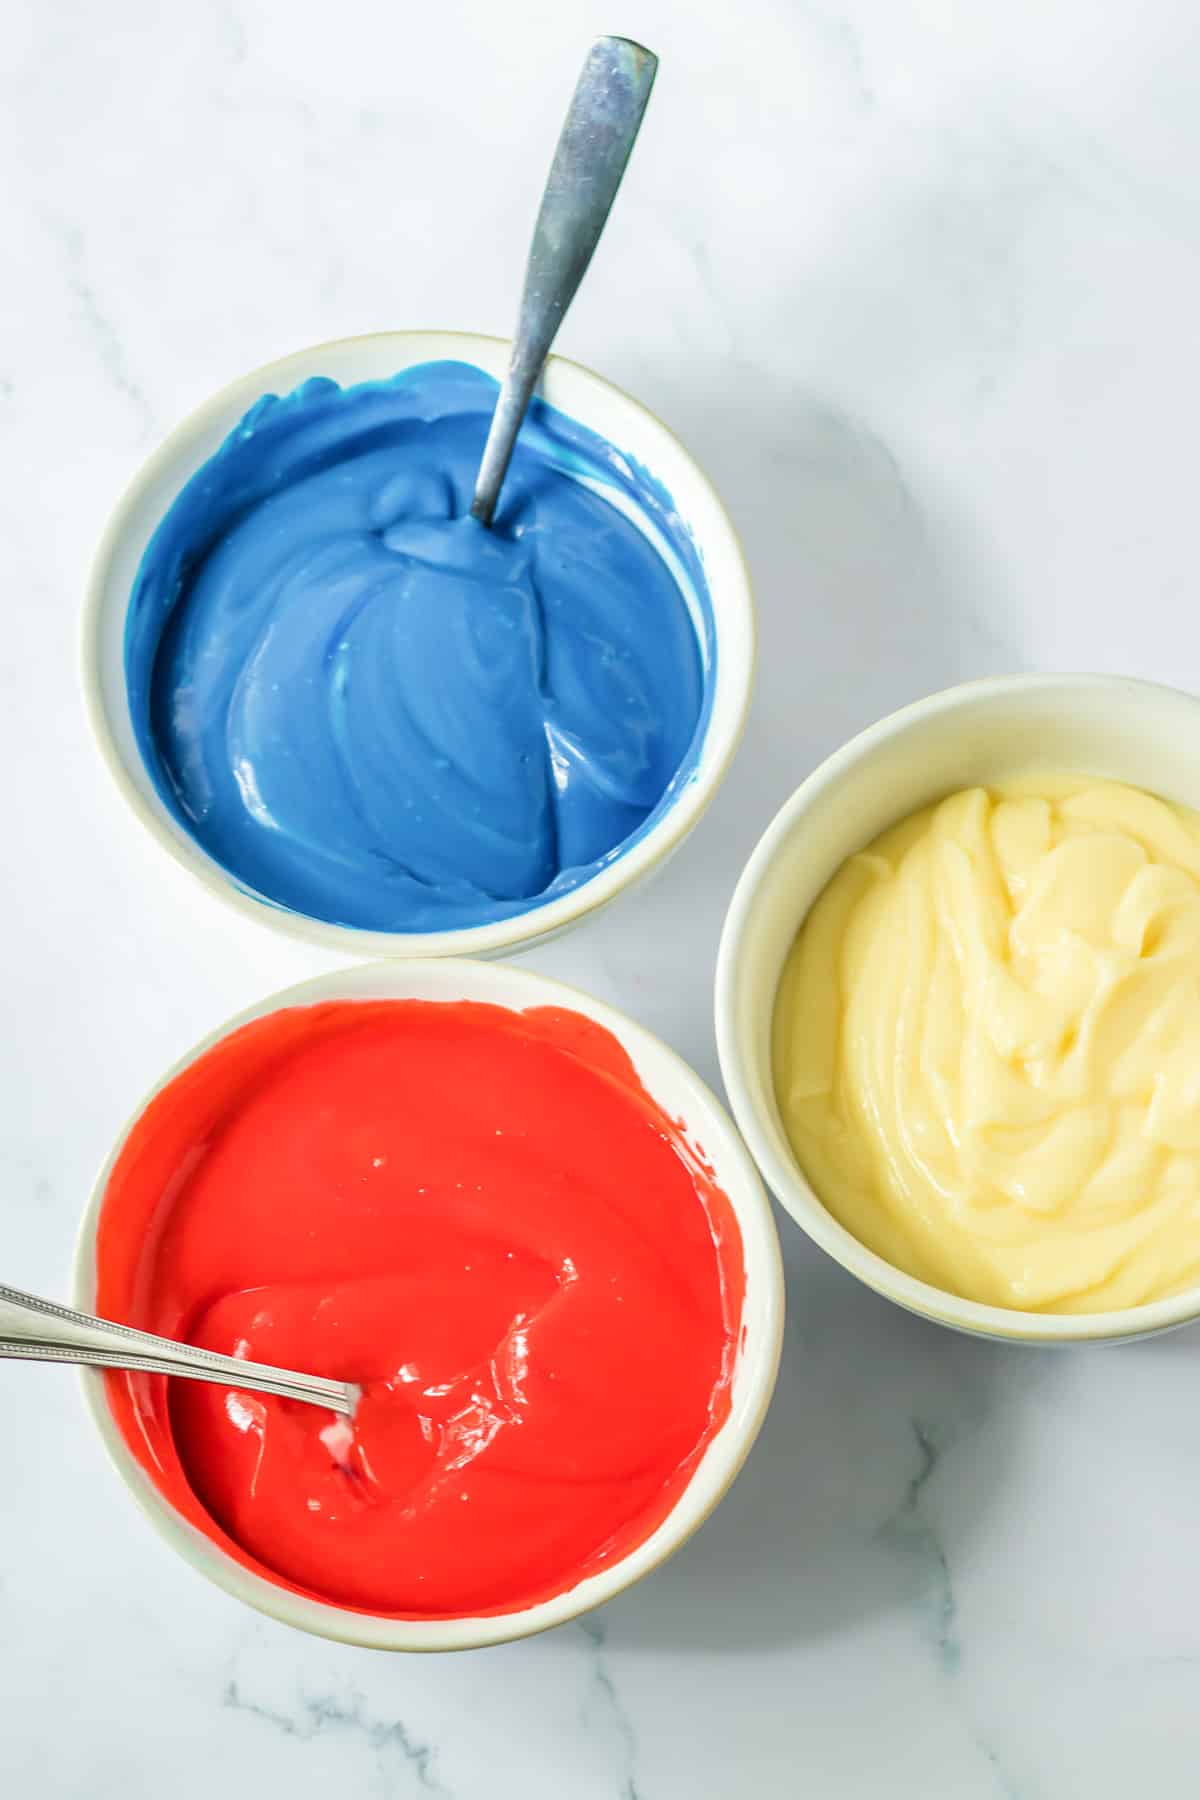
<point x="597" y="137"/>
<point x="36" y="1330"/>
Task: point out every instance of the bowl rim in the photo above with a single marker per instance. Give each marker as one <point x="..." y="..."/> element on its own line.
<point x="782" y="1170"/>
<point x="735" y="660"/>
<point x="759" y="1350"/>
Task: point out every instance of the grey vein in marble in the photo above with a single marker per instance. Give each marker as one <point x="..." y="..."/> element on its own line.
<point x="1006" y="1786"/>
<point x="602" y="1704"/>
<point x="318" y="1714"/>
<point x="237" y="41"/>
<point x="843" y="46"/>
<point x="907" y="1529"/>
<point x="698" y="255"/>
<point x="103" y="332"/>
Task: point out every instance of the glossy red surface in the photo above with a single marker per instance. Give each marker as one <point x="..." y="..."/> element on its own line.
<point x="483" y="1218"/>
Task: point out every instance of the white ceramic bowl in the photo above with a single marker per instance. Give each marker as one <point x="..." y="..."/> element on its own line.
<point x="685" y="1097"/>
<point x="973" y="735"/>
<point x="575" y="391"/>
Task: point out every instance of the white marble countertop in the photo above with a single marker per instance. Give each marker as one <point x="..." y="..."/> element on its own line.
<point x="919" y="283"/>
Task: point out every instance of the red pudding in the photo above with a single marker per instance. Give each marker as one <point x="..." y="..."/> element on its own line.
<point x="483" y="1218"/>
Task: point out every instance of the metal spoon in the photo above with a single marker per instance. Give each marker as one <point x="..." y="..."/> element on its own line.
<point x="597" y="136"/>
<point x="41" y="1331"/>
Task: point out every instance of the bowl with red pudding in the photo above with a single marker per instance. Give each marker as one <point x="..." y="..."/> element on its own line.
<point x="517" y="1221"/>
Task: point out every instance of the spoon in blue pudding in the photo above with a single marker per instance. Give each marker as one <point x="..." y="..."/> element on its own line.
<point x="598" y="135"/>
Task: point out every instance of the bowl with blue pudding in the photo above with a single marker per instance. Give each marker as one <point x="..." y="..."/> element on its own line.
<point x="366" y="719"/>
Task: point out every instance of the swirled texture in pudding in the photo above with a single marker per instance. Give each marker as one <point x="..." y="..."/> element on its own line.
<point x="987" y="1046"/>
<point x="371" y="710"/>
<point x="485" y="1220"/>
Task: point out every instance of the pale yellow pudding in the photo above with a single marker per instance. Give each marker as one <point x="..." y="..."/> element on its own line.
<point x="987" y="1046"/>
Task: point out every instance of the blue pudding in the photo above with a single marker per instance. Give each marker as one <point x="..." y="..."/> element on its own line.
<point x="371" y="710"/>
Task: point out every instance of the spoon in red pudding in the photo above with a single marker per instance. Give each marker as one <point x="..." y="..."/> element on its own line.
<point x="36" y="1330"/>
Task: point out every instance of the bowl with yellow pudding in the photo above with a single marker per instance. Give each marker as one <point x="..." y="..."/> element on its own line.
<point x="958" y="1007"/>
